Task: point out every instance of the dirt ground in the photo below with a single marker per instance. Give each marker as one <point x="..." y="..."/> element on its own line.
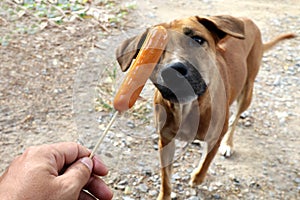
<point x="57" y="85"/>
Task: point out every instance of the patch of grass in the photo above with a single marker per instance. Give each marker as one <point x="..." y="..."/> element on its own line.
<point x="59" y="12"/>
<point x="106" y="89"/>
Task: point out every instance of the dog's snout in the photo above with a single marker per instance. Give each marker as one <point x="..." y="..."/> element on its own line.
<point x="180" y="82"/>
<point x="180" y="68"/>
<point x="174" y="71"/>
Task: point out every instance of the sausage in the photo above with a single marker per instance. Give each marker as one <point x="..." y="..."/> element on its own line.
<point x="141" y="69"/>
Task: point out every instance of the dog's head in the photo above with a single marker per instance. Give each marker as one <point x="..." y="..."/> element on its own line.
<point x="182" y="73"/>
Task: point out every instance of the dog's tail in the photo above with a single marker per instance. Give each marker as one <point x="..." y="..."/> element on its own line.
<point x="272" y="43"/>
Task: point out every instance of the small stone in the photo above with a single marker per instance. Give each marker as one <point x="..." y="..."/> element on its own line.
<point x="219" y="184"/>
<point x="231" y="177"/>
<point x="139" y="180"/>
<point x="155" y="177"/>
<point x="212" y="188"/>
<point x="282" y="121"/>
<point x="127" y="198"/>
<point x="253" y="184"/>
<point x="55" y="62"/>
<point x="130" y="124"/>
<point x="193" y="198"/>
<point x="247" y="123"/>
<point x="45" y="72"/>
<point x="193" y="192"/>
<point x="143" y="188"/>
<point x="141" y="163"/>
<point x="58" y="90"/>
<point x="216" y="196"/>
<point x="265" y="173"/>
<point x="121" y="185"/>
<point x="173" y="196"/>
<point x="245" y="114"/>
<point x="197" y="143"/>
<point x="282" y="114"/>
<point x="297" y="180"/>
<point x="204" y="187"/>
<point x="189" y="170"/>
<point x="277" y="81"/>
<point x="176" y="176"/>
<point x="154" y="136"/>
<point x="108" y="155"/>
<point x="147" y="172"/>
<point x="151" y="15"/>
<point x="127" y="190"/>
<point x="176" y="164"/>
<point x="185" y="178"/>
<point x="212" y="172"/>
<point x="236" y="181"/>
<point x="153" y="193"/>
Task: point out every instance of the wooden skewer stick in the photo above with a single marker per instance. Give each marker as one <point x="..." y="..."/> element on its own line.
<point x="138" y="74"/>
<point x="104" y="134"/>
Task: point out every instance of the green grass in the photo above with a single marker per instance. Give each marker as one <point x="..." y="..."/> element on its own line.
<point x="63" y="11"/>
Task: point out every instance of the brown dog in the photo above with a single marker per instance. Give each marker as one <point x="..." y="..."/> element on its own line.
<point x="208" y="63"/>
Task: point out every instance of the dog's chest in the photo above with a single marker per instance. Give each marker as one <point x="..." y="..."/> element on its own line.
<point x="188" y="121"/>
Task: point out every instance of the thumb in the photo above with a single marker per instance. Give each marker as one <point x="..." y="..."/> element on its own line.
<point x="78" y="174"/>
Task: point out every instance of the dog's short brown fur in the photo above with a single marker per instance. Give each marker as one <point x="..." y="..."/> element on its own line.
<point x="231" y="45"/>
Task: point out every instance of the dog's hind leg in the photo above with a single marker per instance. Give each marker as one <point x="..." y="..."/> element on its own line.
<point x="243" y="102"/>
<point x="245" y="97"/>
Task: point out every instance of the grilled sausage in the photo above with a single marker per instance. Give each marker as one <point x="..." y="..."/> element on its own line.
<point x="141" y="69"/>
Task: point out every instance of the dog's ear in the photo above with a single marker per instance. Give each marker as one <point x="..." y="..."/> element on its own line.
<point x="129" y="49"/>
<point x="223" y="25"/>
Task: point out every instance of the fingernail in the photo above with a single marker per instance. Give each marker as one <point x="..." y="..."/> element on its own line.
<point x="87" y="162"/>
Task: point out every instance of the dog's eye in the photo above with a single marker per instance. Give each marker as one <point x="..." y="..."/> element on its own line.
<point x="199" y="40"/>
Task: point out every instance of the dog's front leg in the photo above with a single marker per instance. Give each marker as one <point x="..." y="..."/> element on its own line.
<point x="166" y="151"/>
<point x="198" y="175"/>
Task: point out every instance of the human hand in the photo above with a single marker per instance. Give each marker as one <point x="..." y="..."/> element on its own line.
<point x="55" y="172"/>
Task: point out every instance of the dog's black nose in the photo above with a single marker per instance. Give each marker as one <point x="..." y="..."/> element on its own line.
<point x="174" y="71"/>
<point x="180" y="68"/>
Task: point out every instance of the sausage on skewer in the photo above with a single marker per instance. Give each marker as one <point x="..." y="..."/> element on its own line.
<point x="141" y="69"/>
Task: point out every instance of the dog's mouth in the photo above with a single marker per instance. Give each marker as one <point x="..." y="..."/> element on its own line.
<point x="179" y="96"/>
<point x="180" y="83"/>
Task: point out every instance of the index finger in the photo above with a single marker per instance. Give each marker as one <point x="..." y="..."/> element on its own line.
<point x="68" y="152"/>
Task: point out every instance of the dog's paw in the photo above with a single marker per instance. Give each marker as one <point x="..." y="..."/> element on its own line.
<point x="195" y="180"/>
<point x="192" y="183"/>
<point x="225" y="150"/>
